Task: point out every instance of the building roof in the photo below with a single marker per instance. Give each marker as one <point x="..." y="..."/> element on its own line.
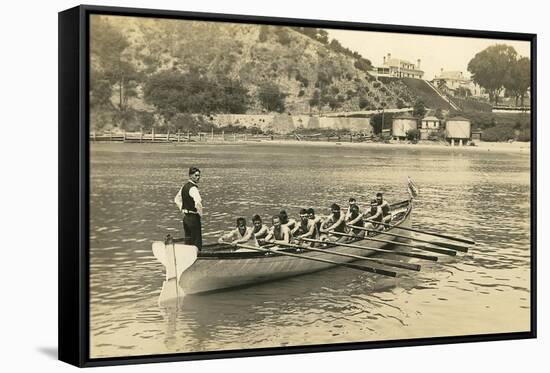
<point x="431" y="118"/>
<point x="459" y="119"/>
<point x="451" y="75"/>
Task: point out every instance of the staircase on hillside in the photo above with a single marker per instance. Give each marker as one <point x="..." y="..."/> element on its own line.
<point x="432" y="97"/>
<point x="444" y="97"/>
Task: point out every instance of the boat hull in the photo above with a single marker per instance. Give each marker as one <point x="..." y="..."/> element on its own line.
<point x="209" y="274"/>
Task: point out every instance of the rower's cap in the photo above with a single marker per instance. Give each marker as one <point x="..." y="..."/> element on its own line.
<point x="335" y="207"/>
<point x="379" y="194"/>
<point x="310" y="210"/>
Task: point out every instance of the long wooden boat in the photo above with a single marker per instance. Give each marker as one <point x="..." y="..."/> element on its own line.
<point x="217" y="267"/>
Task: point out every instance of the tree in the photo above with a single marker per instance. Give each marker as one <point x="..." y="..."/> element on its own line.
<point x="112" y="70"/>
<point x="491" y="68"/>
<point x="172" y="92"/>
<point x="271" y="97"/>
<point x="519" y="81"/>
<point x="419" y="109"/>
<point x="315" y="100"/>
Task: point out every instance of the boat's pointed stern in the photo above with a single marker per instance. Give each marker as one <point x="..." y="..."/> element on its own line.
<point x="176" y="258"/>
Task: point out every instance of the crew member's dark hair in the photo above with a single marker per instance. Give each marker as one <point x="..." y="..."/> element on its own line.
<point x="303" y="211"/>
<point x="241" y="220"/>
<point x="310" y="210"/>
<point x="334" y="206"/>
<point x="192" y="170"/>
<point x="352" y="200"/>
<point x="283" y="216"/>
<point x="256" y="218"/>
<point x="379" y="194"/>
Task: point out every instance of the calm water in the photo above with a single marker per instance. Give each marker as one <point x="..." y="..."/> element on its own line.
<point x="480" y="195"/>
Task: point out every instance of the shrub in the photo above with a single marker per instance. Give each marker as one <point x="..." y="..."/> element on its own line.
<point x="363" y="102"/>
<point x="499" y="133"/>
<point x="282" y="36"/>
<point x="413" y="135"/>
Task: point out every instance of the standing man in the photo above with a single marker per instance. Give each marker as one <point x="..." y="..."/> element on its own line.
<point x="189" y="202"/>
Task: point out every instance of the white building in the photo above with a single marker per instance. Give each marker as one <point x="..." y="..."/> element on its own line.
<point x="398" y="68"/>
<point x="429" y="125"/>
<point x="454" y="80"/>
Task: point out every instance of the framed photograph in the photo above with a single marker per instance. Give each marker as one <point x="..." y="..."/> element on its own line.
<point x="235" y="186"/>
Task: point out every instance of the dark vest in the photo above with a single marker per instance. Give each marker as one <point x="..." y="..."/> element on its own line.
<point x="359" y="223"/>
<point x="303" y="227"/>
<point x="341" y="228"/>
<point x="385" y="209"/>
<point x="373" y="212"/>
<point x="188" y="201"/>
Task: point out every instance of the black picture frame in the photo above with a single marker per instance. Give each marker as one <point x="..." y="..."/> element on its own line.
<point x="74" y="159"/>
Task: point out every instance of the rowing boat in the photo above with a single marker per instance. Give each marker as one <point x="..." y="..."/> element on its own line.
<point x="219" y="266"/>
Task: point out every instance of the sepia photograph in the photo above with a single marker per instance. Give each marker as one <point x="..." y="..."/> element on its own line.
<point x="264" y="186"/>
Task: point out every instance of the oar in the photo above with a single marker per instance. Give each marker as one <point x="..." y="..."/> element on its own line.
<point x="410" y="255"/>
<point x="359" y="267"/>
<point x="387" y="262"/>
<point x="425" y="248"/>
<point x="458" y="239"/>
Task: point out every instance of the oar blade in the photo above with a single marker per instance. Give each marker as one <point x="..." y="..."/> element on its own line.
<point x="437" y="250"/>
<point x="378" y="271"/>
<point x="452" y="238"/>
<point x="451" y="246"/>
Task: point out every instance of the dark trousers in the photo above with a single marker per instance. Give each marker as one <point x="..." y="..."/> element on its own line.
<point x="192" y="230"/>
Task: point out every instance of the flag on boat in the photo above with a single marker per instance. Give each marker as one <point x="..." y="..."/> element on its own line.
<point x="412" y="188"/>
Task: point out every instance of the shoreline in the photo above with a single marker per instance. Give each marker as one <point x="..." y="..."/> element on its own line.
<point x="481" y="146"/>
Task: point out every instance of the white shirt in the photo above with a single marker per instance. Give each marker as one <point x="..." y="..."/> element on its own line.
<point x="194" y="193"/>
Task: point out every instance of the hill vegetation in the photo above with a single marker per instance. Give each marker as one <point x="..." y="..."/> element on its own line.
<point x="145" y="72"/>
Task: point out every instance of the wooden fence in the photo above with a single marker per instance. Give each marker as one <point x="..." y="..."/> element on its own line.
<point x="180" y="137"/>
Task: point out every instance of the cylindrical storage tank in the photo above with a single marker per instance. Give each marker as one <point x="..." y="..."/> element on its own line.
<point x="402" y="124"/>
<point x="458" y="128"/>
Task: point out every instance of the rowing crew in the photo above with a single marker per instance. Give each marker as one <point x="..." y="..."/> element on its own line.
<point x="284" y="230"/>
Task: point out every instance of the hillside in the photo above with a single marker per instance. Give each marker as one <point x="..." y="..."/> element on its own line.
<point x="297" y="68"/>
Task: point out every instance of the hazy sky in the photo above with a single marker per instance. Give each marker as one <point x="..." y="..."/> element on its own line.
<point x="436" y="52"/>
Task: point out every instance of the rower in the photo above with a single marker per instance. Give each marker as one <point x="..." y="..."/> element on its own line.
<point x="240" y="235"/>
<point x="260" y="229"/>
<point x="386" y="209"/>
<point x="335" y="222"/>
<point x="279" y="233"/>
<point x="352" y="202"/>
<point x="317" y="220"/>
<point x="374" y="216"/>
<point x="305" y="228"/>
<point x="356" y="219"/>
<point x="285" y="220"/>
